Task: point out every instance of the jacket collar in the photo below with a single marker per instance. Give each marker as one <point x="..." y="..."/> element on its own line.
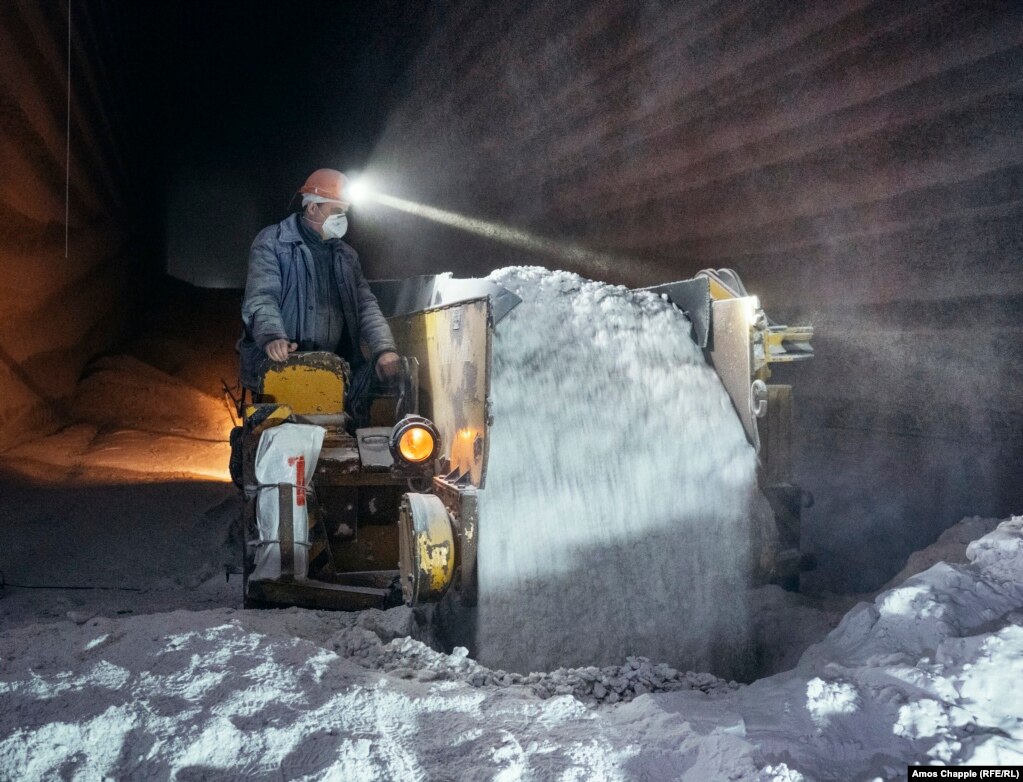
<point x="289" y="229"/>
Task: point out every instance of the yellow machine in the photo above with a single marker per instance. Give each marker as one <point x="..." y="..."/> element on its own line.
<point x="392" y="505"/>
<point x="742" y="344"/>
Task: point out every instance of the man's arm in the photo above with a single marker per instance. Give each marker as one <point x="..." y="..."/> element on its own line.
<point x="373" y="327"/>
<point x="261" y="306"/>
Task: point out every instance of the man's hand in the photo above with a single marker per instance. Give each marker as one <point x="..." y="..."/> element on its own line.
<point x="279" y="349"/>
<point x="388" y="366"/>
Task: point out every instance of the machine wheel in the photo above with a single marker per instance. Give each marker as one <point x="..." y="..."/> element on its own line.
<point x="426" y="540"/>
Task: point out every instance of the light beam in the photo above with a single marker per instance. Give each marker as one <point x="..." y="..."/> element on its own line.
<point x="568" y="251"/>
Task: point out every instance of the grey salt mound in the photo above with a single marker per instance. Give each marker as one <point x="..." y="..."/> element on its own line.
<point x="614" y="521"/>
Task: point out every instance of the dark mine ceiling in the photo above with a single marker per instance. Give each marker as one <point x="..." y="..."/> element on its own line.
<point x="248" y="98"/>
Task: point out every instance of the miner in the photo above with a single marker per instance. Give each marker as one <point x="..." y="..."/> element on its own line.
<point x="306" y="291"/>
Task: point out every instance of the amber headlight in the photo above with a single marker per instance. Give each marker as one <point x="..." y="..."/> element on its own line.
<point x="414" y="440"/>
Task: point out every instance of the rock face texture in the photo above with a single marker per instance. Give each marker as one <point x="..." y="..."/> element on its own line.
<point x="64" y="164"/>
<point x="859" y="163"/>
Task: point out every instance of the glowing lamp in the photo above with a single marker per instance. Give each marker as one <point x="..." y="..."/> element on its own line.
<point x="358" y="191"/>
<point x="414" y="440"/>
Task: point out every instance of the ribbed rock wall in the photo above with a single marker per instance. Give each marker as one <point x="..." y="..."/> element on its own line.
<point x="63" y="298"/>
<point x="859" y="163"/>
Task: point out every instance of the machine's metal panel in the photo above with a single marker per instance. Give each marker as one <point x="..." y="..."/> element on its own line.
<point x="310" y="383"/>
<point x="724" y="283"/>
<point x="731" y="354"/>
<point x="375" y="579"/>
<point x="335" y="420"/>
<point x="414" y="294"/>
<point x="308" y="593"/>
<point x="453" y="346"/>
<point x="374" y="450"/>
<point x="405" y="296"/>
<point x="450" y="290"/>
<point x="776" y="435"/>
<point x="462" y="502"/>
<point x="426" y="557"/>
<point x="693" y="298"/>
<point x="329" y="475"/>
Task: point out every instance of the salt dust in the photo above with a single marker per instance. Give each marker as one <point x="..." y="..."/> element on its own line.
<point x="616" y="509"/>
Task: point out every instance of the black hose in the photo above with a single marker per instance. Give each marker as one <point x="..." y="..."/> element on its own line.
<point x="5" y="583"/>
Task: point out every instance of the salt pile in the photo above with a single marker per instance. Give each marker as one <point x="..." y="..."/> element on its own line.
<point x="408" y="658"/>
<point x="928" y="673"/>
<point x="614" y="522"/>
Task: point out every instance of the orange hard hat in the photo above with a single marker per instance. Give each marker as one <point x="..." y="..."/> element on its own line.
<point x="326" y="183"/>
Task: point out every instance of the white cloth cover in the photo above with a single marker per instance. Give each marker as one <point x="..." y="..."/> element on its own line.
<point x="287" y="454"/>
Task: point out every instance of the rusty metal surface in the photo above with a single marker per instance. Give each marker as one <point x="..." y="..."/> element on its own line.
<point x="377" y="579"/>
<point x="373" y="546"/>
<point x="731" y="354"/>
<point x="317" y="594"/>
<point x="776" y="435"/>
<point x="338" y="461"/>
<point x="329" y="421"/>
<point x="693" y="298"/>
<point x="415" y="294"/>
<point x="374" y="448"/>
<point x="310" y="383"/>
<point x="329" y="477"/>
<point x="286" y="531"/>
<point x="453" y="347"/>
<point x="427" y="548"/>
<point x="462" y="504"/>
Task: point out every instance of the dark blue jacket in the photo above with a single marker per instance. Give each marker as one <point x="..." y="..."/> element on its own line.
<point x="280" y="298"/>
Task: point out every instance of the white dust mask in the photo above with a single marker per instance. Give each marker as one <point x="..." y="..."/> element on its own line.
<point x="335" y="226"/>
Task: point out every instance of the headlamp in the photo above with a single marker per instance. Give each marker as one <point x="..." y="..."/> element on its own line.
<point x="414" y="440"/>
<point x="358" y="190"/>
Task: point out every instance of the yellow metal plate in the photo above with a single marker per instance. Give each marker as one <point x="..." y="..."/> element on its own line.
<point x="309" y="383"/>
<point x="426" y="548"/>
<point x="452" y="344"/>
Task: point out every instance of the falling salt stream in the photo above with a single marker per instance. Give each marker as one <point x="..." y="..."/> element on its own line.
<point x="614" y="518"/>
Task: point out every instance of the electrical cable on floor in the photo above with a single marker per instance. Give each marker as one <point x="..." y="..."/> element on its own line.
<point x="5" y="583"/>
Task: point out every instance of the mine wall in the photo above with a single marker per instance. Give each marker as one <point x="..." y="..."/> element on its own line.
<point x="67" y="184"/>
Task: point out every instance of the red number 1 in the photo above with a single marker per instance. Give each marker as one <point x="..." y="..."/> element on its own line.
<point x="299" y="462"/>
